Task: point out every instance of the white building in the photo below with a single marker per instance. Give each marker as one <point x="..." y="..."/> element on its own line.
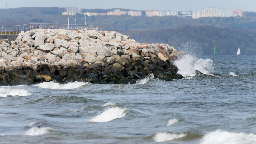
<point x="72" y="10"/>
<point x="211" y="12"/>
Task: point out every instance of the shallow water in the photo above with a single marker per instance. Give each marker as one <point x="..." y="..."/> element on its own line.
<point x="198" y="109"/>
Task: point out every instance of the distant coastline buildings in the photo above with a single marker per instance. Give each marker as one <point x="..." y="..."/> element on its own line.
<point x="215" y="12"/>
<point x="196" y="14"/>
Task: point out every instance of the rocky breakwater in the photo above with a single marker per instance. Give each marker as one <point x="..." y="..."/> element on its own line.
<point x="81" y="55"/>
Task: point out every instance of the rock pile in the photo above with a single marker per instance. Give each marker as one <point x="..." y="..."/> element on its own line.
<point x="83" y="55"/>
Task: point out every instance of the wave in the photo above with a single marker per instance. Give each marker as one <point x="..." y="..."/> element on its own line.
<point x="54" y="85"/>
<point x="145" y="80"/>
<point x="232" y="74"/>
<point x="224" y="137"/>
<point x="188" y="64"/>
<point x="38" y="131"/>
<point x="164" y="136"/>
<point x="109" y="115"/>
<point x="109" y="104"/>
<point x="4" y="92"/>
<point x="172" y="121"/>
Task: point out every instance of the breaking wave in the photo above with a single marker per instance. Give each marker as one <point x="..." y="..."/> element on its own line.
<point x="38" y="131"/>
<point x="54" y="85"/>
<point x="109" y="104"/>
<point x="109" y="115"/>
<point x="145" y="80"/>
<point x="188" y="64"/>
<point x="224" y="137"/>
<point x="232" y="74"/>
<point x="172" y="121"/>
<point x="4" y="92"/>
<point x="164" y="136"/>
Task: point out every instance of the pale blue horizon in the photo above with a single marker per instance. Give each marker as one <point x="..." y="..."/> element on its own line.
<point x="174" y="5"/>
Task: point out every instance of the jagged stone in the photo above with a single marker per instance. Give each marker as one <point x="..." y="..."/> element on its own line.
<point x="46" y="47"/>
<point x="59" y="43"/>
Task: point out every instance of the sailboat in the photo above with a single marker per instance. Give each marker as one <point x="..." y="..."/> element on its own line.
<point x="238" y="51"/>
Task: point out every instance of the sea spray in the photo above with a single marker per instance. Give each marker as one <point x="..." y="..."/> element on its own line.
<point x="164" y="136"/>
<point x="224" y="137"/>
<point x="34" y="131"/>
<point x="188" y="64"/>
<point x="109" y="115"/>
<point x="54" y="85"/>
<point x="172" y="121"/>
<point x="9" y="91"/>
<point x="232" y="74"/>
<point x="145" y="80"/>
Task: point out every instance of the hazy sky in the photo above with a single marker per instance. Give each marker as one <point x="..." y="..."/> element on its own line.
<point x="175" y="5"/>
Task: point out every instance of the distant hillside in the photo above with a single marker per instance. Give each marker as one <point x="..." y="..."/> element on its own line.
<point x="24" y="15"/>
<point x="201" y="39"/>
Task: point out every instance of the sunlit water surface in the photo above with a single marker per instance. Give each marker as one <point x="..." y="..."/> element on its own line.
<point x="212" y="109"/>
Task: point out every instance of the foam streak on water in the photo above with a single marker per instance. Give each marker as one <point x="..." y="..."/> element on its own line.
<point x="54" y="85"/>
<point x="38" y="131"/>
<point x="145" y="80"/>
<point x="109" y="115"/>
<point x="172" y="121"/>
<point x="224" y="137"/>
<point x="164" y="136"/>
<point x="188" y="64"/>
<point x="4" y="92"/>
<point x="232" y="74"/>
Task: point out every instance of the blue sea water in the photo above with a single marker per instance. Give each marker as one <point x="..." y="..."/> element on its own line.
<point x="217" y="108"/>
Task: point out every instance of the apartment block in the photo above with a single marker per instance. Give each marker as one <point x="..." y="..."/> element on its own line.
<point x="238" y="13"/>
<point x="72" y="10"/>
<point x="212" y="12"/>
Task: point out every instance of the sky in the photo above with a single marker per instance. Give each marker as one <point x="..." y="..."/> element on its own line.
<point x="174" y="5"/>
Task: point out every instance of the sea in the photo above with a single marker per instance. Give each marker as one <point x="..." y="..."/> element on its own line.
<point x="217" y="107"/>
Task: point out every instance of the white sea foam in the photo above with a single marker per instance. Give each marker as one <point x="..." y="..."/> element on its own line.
<point x="232" y="74"/>
<point x="4" y="92"/>
<point x="109" y="115"/>
<point x="54" y="85"/>
<point x="109" y="104"/>
<point x="38" y="131"/>
<point x="188" y="64"/>
<point x="172" y="121"/>
<point x="224" y="137"/>
<point x="145" y="80"/>
<point x="164" y="136"/>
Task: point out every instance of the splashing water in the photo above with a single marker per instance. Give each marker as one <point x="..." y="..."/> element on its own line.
<point x="145" y="80"/>
<point x="109" y="104"/>
<point x="109" y="115"/>
<point x="164" y="136"/>
<point x="232" y="74"/>
<point x="223" y="137"/>
<point x="188" y="64"/>
<point x="54" y="85"/>
<point x="4" y="92"/>
<point x="38" y="131"/>
<point x="172" y="121"/>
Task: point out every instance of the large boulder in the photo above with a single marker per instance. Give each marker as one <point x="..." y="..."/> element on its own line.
<point x="61" y="43"/>
<point x="39" y="39"/>
<point x="47" y="47"/>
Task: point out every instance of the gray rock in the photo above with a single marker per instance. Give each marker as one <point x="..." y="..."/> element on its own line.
<point x="90" y="58"/>
<point x="58" y="43"/>
<point x="83" y="50"/>
<point x="72" y="49"/>
<point x="46" y="47"/>
<point x="39" y="40"/>
<point x="60" y="52"/>
<point x="9" y="58"/>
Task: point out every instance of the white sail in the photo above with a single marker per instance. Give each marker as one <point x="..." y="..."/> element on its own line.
<point x="238" y="51"/>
